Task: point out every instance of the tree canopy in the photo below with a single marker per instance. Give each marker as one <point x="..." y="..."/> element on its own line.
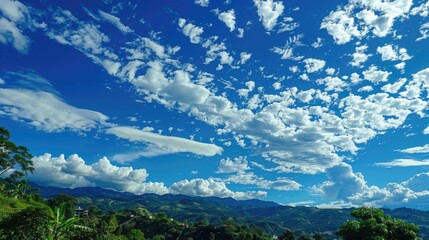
<point x="373" y="224"/>
<point x="15" y="161"/>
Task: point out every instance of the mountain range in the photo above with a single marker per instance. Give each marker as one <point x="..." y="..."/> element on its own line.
<point x="272" y="217"/>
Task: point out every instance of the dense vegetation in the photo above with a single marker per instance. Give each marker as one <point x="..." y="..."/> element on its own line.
<point x="24" y="214"/>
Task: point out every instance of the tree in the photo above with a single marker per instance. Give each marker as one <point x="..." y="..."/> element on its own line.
<point x="135" y="234"/>
<point x="70" y="203"/>
<point x="60" y="226"/>
<point x="13" y="158"/>
<point x="372" y="224"/>
<point x="287" y="235"/>
<point x="29" y="223"/>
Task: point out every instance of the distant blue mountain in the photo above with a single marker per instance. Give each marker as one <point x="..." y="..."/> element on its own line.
<point x="270" y="216"/>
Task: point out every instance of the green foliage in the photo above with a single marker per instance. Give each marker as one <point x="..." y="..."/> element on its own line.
<point x="69" y="201"/>
<point x="13" y="157"/>
<point x="135" y="234"/>
<point x="372" y="224"/>
<point x="29" y="223"/>
<point x="60" y="225"/>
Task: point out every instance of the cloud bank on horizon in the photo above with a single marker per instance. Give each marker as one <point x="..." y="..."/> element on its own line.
<point x="264" y="99"/>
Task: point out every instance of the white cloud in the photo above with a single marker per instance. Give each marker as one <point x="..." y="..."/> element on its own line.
<point x="46" y="111"/>
<point x="341" y="26"/>
<point x="249" y="178"/>
<point x="202" y="3"/>
<point x="244" y="57"/>
<point x="170" y="143"/>
<point x="394" y="87"/>
<point x="269" y="11"/>
<point x="238" y="164"/>
<point x="210" y="187"/>
<point x="422" y="149"/>
<point x="228" y="18"/>
<point x="351" y="189"/>
<point x="332" y="83"/>
<point x="87" y="38"/>
<point x="393" y="53"/>
<point x="314" y="65"/>
<point x="360" y="56"/>
<point x="191" y="31"/>
<point x="374" y="75"/>
<point x="75" y="172"/>
<point x="14" y="20"/>
<point x="359" y="17"/>
<point x="115" y="21"/>
<point x="342" y="183"/>
<point x="287" y="51"/>
<point x="404" y="163"/>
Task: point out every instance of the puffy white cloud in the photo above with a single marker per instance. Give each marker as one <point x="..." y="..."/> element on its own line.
<point x="418" y="182"/>
<point x="228" y="18"/>
<point x="115" y="21"/>
<point x="75" y="172"/>
<point x="172" y="144"/>
<point x="359" y="17"/>
<point x="191" y="31"/>
<point x="46" y="111"/>
<point x="350" y="189"/>
<point x="360" y="56"/>
<point x="269" y="11"/>
<point x="202" y="3"/>
<point x="415" y="87"/>
<point x="210" y="187"/>
<point x="314" y="65"/>
<point x="238" y="164"/>
<point x="393" y="53"/>
<point x="332" y="83"/>
<point x="14" y="20"/>
<point x="394" y="87"/>
<point x="342" y="183"/>
<point x="341" y="26"/>
<point x="374" y="75"/>
<point x="244" y="57"/>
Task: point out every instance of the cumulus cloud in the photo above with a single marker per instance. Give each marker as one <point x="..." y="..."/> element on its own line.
<point x="191" y="31"/>
<point x="211" y="187"/>
<point x="75" y="172"/>
<point x="238" y="164"/>
<point x="393" y="53"/>
<point x="360" y="57"/>
<point x="202" y="3"/>
<point x="350" y="189"/>
<point x="244" y="57"/>
<point x="374" y="75"/>
<point x="115" y="21"/>
<point x="313" y="65"/>
<point x="228" y="18"/>
<point x="170" y="143"/>
<point x="15" y="18"/>
<point x="357" y="18"/>
<point x="269" y="11"/>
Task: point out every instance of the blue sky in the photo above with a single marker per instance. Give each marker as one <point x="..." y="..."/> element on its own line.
<point x="303" y="104"/>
